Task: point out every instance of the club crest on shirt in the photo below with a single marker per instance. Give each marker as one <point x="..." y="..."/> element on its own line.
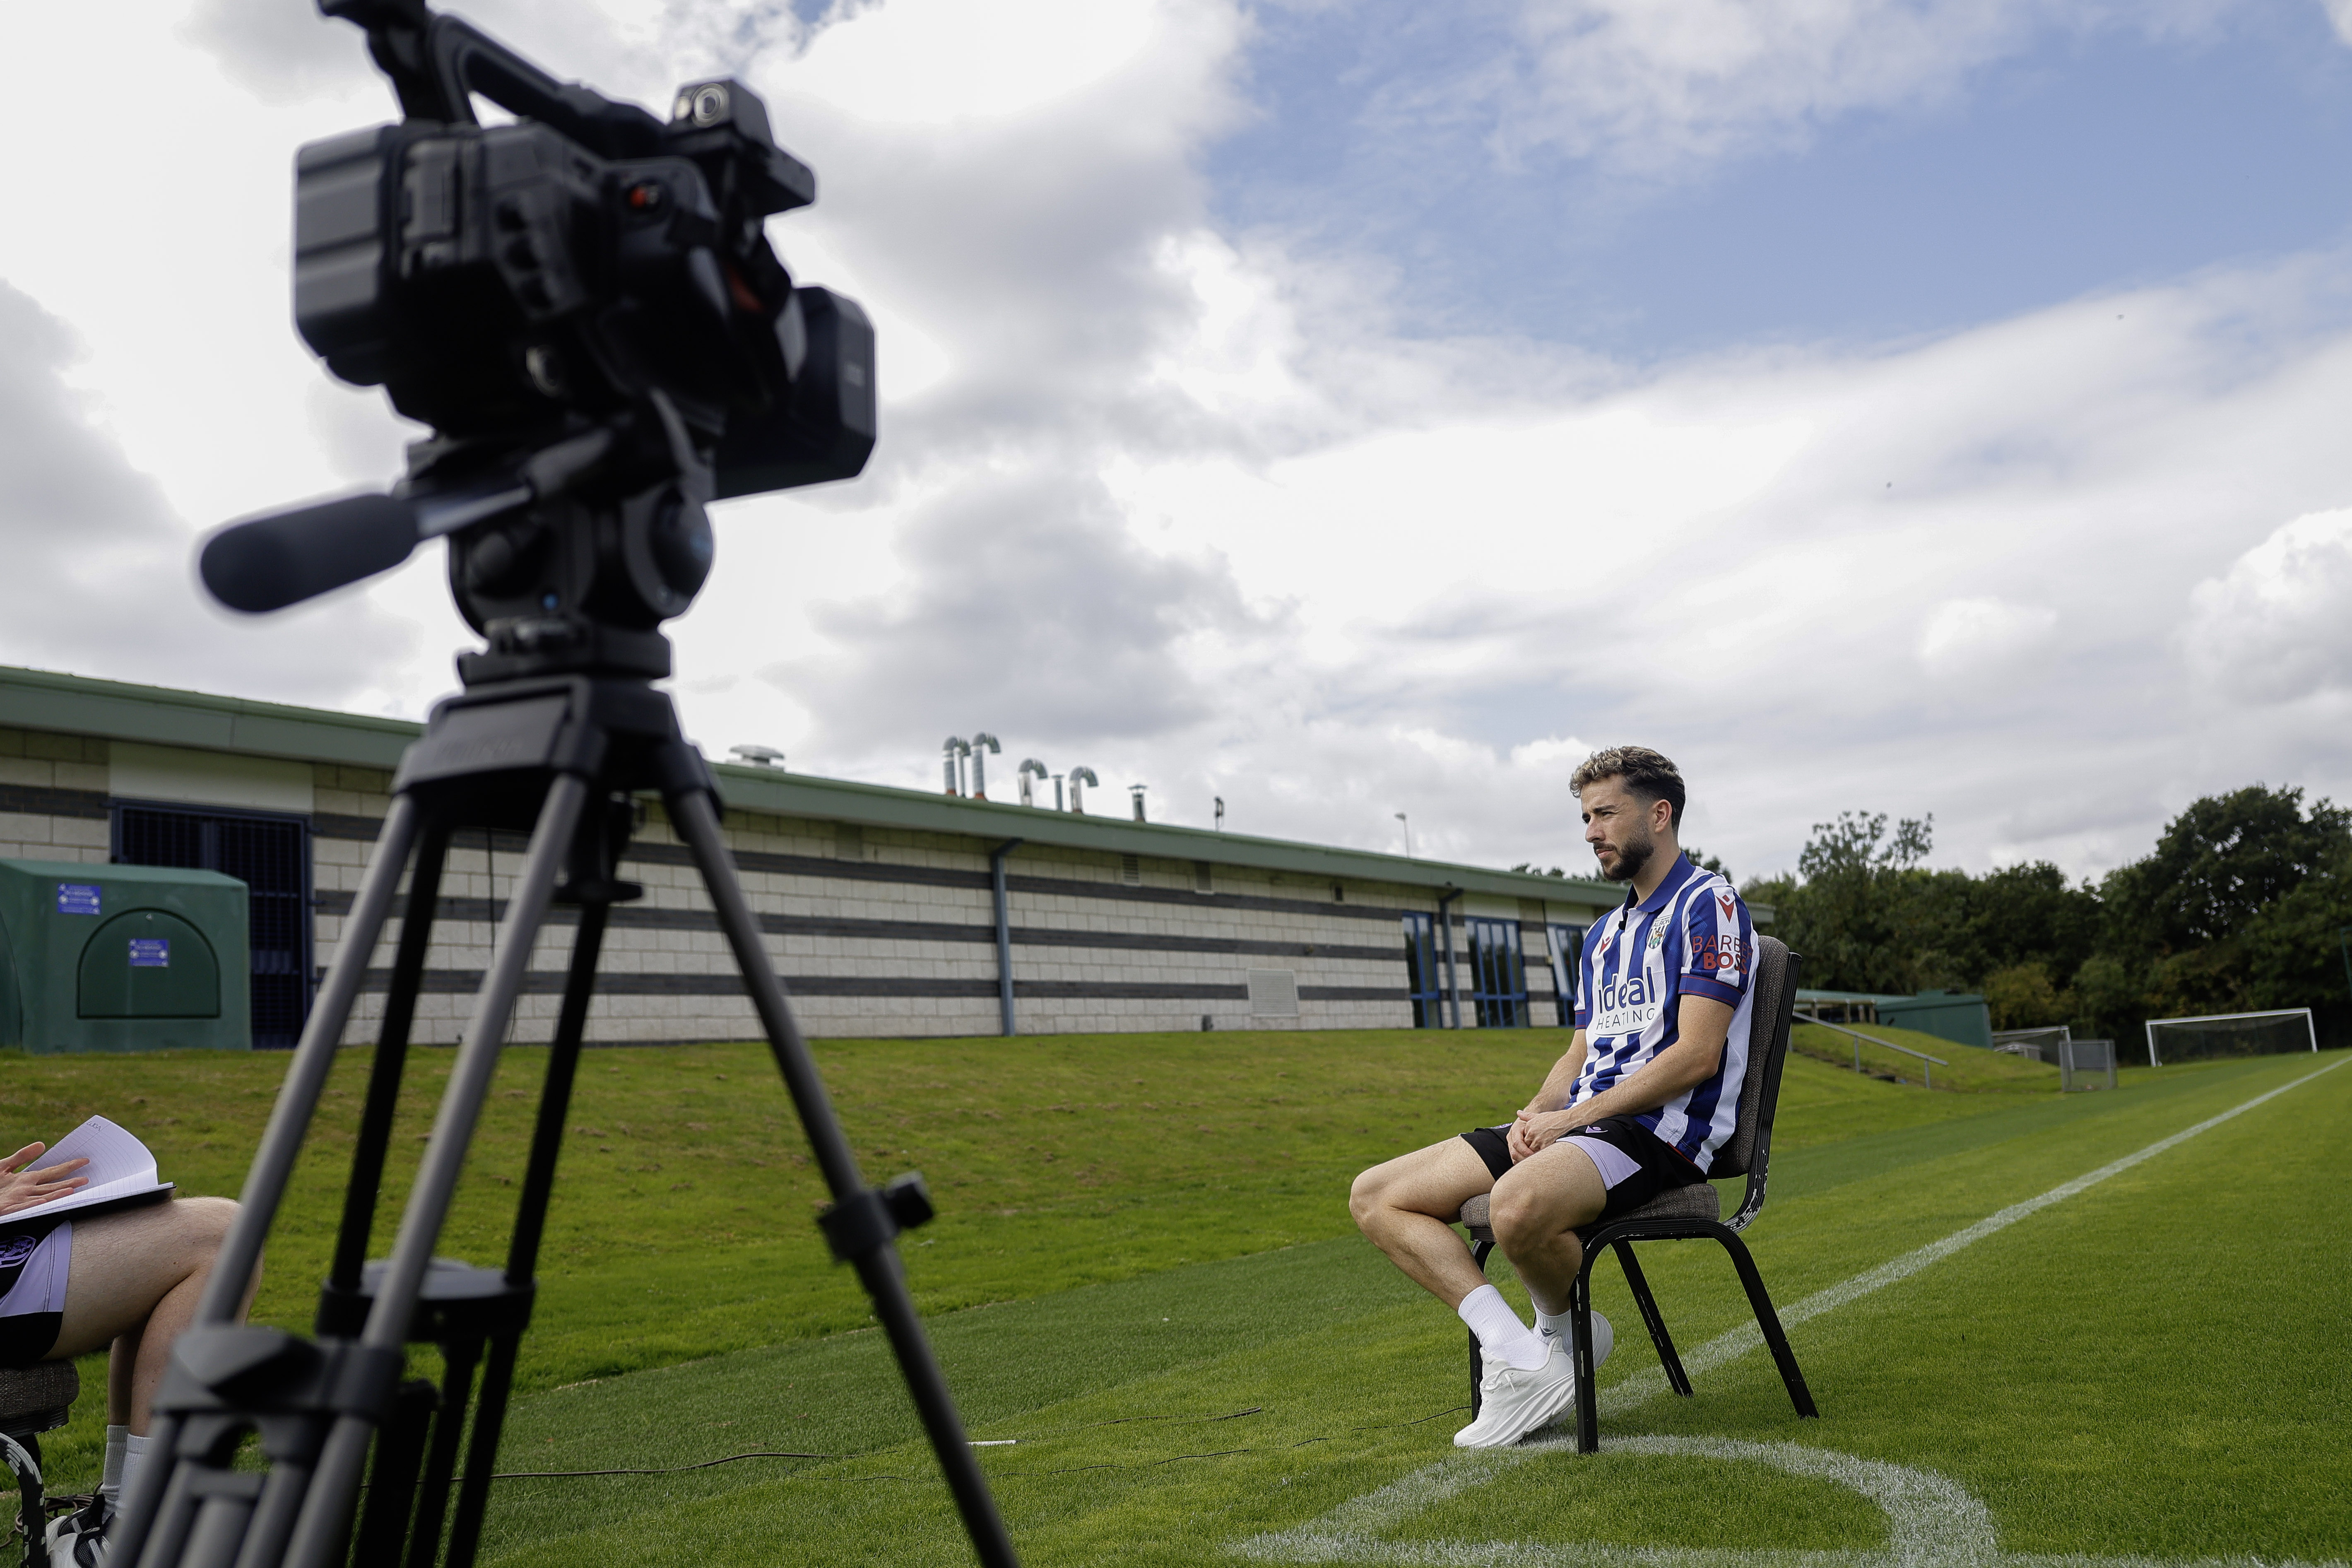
<point x="1729" y="907"/>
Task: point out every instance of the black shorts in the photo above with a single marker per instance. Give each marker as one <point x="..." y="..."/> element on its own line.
<point x="1663" y="1166"/>
<point x="25" y="1338"/>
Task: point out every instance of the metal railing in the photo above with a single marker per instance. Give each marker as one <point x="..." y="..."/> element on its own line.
<point x="1860" y="1039"/>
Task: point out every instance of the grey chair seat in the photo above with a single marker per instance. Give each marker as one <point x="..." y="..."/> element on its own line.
<point x="1699" y="1202"/>
<point x="40" y="1398"/>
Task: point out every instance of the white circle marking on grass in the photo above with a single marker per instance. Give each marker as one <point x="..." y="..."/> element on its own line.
<point x="1931" y="1521"/>
<point x="1940" y="1536"/>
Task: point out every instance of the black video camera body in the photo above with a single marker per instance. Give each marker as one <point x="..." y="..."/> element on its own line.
<point x="495" y="279"/>
<point x="584" y="306"/>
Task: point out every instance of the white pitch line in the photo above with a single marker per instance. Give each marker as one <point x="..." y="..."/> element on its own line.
<point x="1643" y="1386"/>
<point x="1349" y="1533"/>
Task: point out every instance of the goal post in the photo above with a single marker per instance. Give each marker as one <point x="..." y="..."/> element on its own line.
<point x="2216" y="1034"/>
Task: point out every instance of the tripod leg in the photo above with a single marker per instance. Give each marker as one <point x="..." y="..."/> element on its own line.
<point x="459" y="1360"/>
<point x="391" y="1055"/>
<point x="693" y="813"/>
<point x="281" y="1142"/>
<point x="320" y="1536"/>
<point x="530" y="1219"/>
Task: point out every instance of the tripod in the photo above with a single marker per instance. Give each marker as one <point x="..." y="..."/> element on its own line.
<point x="556" y="745"/>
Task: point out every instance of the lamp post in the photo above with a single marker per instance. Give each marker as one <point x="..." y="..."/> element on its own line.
<point x="1407" y="836"/>
<point x="1221" y="812"/>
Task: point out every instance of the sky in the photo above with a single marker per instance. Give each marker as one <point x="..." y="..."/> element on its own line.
<point x="1351" y="408"/>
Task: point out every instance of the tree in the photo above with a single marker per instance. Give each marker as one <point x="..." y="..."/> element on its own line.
<point x="2022" y="997"/>
<point x="2219" y="863"/>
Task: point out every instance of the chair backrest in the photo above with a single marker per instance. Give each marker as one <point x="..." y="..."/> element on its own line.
<point x="1770" y="1018"/>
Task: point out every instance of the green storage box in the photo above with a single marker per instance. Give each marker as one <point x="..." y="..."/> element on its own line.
<point x="122" y="958"/>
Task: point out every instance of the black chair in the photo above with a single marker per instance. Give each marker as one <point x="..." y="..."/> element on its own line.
<point x="1687" y="1213"/>
<point x="36" y="1400"/>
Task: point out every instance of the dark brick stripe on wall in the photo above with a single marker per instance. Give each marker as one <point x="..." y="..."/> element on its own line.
<point x="365" y="829"/>
<point x="44" y="800"/>
<point x="645" y="919"/>
<point x="548" y="982"/>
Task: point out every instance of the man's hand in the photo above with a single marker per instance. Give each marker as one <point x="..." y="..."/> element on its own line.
<point x="1537" y="1130"/>
<point x="23" y="1189"/>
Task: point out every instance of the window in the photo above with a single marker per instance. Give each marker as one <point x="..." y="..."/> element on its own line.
<point x="1204" y="876"/>
<point x="271" y="856"/>
<point x="1567" y="948"/>
<point x="1498" y="979"/>
<point x="1421" y="971"/>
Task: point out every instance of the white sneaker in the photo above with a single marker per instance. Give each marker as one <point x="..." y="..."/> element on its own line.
<point x="1512" y="1404"/>
<point x="78" y="1540"/>
<point x="1604" y="1339"/>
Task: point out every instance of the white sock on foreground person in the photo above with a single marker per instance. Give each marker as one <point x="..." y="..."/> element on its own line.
<point x="1500" y="1334"/>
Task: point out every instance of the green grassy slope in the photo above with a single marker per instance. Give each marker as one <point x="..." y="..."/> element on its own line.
<point x="1160" y="1222"/>
<point x="1967" y="1069"/>
<point x="2048" y="1370"/>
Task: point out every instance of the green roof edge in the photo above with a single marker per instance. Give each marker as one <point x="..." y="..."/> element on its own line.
<point x="157" y="715"/>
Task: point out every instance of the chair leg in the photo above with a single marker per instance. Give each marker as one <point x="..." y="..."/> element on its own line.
<point x="1579" y="1320"/>
<point x="24" y="1457"/>
<point x="1655" y="1319"/>
<point x="1769" y="1322"/>
<point x="1477" y="1361"/>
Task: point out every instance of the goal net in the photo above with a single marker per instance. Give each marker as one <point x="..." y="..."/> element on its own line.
<point x="2173" y="1040"/>
<point x="2086" y="1064"/>
<point x="2035" y="1045"/>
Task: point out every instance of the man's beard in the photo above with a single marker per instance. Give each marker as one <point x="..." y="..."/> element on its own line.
<point x="1632" y="856"/>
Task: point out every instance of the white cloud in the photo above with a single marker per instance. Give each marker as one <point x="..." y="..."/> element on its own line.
<point x="1966" y="637"/>
<point x="1173" y="503"/>
<point x="2339" y="16"/>
<point x="2278" y="626"/>
<point x="1659" y="85"/>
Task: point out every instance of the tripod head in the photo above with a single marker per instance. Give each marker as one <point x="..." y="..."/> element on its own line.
<point x="584" y="306"/>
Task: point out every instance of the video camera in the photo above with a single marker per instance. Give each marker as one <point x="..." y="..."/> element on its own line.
<point x="584" y="306"/>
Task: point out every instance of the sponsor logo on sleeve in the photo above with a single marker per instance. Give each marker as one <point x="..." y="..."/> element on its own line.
<point x="1723" y="952"/>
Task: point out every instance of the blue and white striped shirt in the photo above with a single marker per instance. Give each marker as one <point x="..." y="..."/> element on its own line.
<point x="1691" y="937"/>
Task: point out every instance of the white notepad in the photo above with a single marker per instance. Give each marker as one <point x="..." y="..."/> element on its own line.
<point x="121" y="1169"/>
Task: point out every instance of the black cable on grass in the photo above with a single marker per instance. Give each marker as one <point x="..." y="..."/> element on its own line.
<point x="1066" y="1471"/>
<point x="665" y="1471"/>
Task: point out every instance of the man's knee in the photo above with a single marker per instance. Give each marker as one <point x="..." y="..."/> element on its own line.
<point x="1523" y="1214"/>
<point x="1366" y="1195"/>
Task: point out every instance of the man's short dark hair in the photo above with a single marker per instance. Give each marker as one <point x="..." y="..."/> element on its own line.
<point x="1647" y="775"/>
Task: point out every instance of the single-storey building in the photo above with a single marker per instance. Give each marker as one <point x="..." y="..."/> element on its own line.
<point x="888" y="912"/>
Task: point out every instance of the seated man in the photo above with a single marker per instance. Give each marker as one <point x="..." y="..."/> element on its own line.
<point x="129" y="1279"/>
<point x="1648" y="1091"/>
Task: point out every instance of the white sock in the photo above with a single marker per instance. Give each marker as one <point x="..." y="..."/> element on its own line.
<point x="110" y="1484"/>
<point x="134" y="1453"/>
<point x="1500" y="1333"/>
<point x="1550" y="1327"/>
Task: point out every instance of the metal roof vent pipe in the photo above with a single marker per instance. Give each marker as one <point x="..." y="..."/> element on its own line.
<point x="760" y="756"/>
<point x="950" y="751"/>
<point x="1134" y="794"/>
<point x="1030" y="766"/>
<point x="983" y="742"/>
<point x="1079" y="777"/>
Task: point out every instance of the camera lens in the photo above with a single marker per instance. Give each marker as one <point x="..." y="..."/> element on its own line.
<point x="710" y="104"/>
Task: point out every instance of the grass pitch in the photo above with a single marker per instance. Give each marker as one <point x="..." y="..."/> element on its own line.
<point x="1169" y="1313"/>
